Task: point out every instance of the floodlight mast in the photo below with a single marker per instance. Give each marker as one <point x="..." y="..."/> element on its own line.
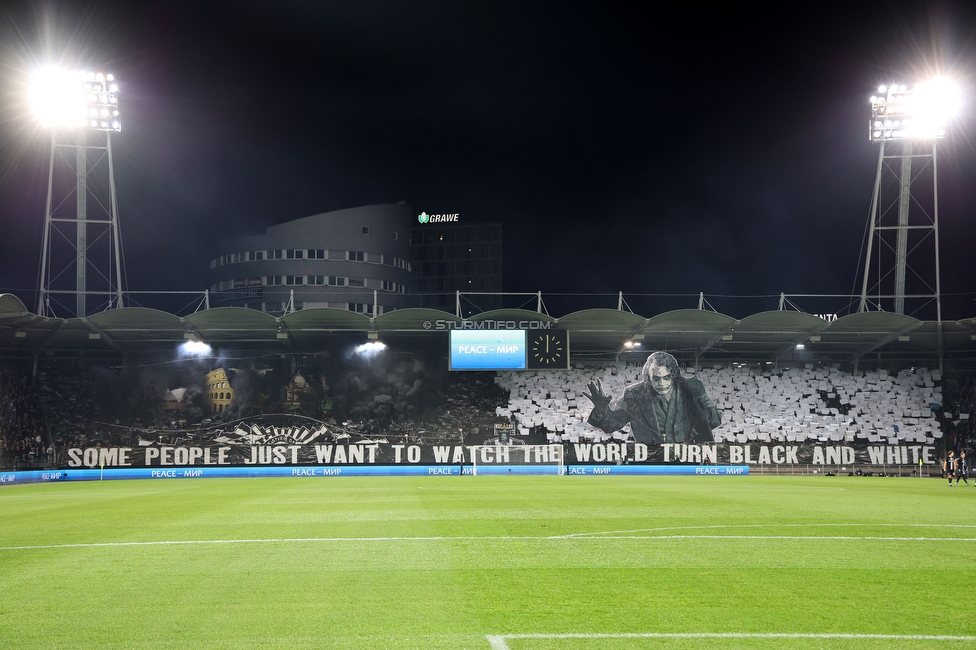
<point x="74" y="106"/>
<point x="907" y="123"/>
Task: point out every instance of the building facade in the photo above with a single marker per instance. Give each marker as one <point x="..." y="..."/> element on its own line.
<point x="355" y="259"/>
<point x="457" y="256"/>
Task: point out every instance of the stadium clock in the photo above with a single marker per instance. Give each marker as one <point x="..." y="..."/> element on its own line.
<point x="549" y="349"/>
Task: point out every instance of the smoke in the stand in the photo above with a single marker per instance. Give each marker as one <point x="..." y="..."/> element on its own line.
<point x="381" y="387"/>
<point x="137" y="393"/>
<point x="248" y="388"/>
<point x="378" y="383"/>
<point x="195" y="400"/>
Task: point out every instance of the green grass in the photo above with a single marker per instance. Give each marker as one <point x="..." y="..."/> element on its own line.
<point x="444" y="562"/>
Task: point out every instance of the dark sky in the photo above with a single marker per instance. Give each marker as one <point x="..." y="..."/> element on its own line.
<point x="624" y="149"/>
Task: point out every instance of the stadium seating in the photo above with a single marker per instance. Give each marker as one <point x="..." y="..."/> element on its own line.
<point x="784" y="405"/>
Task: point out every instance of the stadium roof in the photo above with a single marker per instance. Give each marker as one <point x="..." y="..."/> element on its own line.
<point x="597" y="334"/>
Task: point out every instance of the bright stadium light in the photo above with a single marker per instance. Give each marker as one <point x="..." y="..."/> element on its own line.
<point x="81" y="112"/>
<point x="194" y="348"/>
<point x="75" y="100"/>
<point x="908" y="124"/>
<point x="369" y="350"/>
<point x="922" y="113"/>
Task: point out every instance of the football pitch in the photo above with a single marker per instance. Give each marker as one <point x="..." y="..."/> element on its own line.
<point x="489" y="563"/>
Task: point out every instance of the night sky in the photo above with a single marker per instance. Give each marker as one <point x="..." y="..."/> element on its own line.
<point x="624" y="149"/>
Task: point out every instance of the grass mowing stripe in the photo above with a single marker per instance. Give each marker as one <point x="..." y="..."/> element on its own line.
<point x="779" y="525"/>
<point x="568" y="538"/>
<point x="499" y="641"/>
<point x="736" y="635"/>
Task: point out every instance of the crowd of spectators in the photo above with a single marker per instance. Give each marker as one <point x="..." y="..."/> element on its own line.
<point x="82" y="409"/>
<point x="959" y="410"/>
<point x="24" y="442"/>
<point x="467" y="413"/>
<point x="69" y="407"/>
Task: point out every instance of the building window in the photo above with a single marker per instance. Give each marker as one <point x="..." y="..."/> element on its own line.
<point x="337" y="281"/>
<point x="274" y="255"/>
<point x="316" y="279"/>
<point x="294" y="279"/>
<point x="257" y="255"/>
<point x="273" y="280"/>
<point x="316" y="253"/>
<point x="357" y="282"/>
<point x="356" y="256"/>
<point x="295" y="253"/>
<point x="365" y="230"/>
<point x="360" y="307"/>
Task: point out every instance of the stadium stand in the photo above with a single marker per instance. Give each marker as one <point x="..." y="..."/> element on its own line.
<point x="960" y="403"/>
<point x="794" y="405"/>
<point x="24" y="442"/>
<point x="758" y="404"/>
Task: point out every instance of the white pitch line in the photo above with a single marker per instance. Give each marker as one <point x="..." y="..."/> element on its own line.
<point x="499" y="641"/>
<point x="548" y="538"/>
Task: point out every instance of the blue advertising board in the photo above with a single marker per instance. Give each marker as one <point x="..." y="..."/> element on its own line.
<point x="55" y="476"/>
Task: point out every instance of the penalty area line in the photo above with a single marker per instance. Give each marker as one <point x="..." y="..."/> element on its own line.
<point x="500" y="641"/>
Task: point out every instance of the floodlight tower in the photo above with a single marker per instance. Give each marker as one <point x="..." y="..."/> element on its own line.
<point x="81" y="109"/>
<point x="907" y="123"/>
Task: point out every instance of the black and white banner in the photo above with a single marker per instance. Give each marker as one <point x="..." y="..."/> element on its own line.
<point x="285" y="440"/>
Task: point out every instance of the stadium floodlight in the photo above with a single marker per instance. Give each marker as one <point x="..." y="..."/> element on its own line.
<point x="923" y="112"/>
<point x="907" y="123"/>
<point x="81" y="111"/>
<point x="75" y="100"/>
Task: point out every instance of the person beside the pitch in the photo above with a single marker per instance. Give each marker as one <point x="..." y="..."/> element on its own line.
<point x="949" y="466"/>
<point x="663" y="407"/>
<point x="962" y="468"/>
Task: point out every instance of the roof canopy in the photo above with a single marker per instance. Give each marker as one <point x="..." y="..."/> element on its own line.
<point x="594" y="333"/>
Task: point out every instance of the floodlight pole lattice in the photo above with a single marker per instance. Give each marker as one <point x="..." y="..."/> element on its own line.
<point x="926" y="223"/>
<point x="908" y="139"/>
<point x="60" y="220"/>
<point x="73" y="240"/>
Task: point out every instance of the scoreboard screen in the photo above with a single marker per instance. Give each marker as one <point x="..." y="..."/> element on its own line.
<point x="488" y="349"/>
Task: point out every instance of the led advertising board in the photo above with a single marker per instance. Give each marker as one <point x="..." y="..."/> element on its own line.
<point x="488" y="349"/>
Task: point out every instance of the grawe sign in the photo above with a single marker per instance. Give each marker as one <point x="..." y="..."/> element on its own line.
<point x="425" y="218"/>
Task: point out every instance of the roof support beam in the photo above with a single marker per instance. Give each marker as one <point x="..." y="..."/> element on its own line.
<point x="715" y="339"/>
<point x="285" y="336"/>
<point x="103" y="335"/>
<point x="884" y="340"/>
<point x="802" y="338"/>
